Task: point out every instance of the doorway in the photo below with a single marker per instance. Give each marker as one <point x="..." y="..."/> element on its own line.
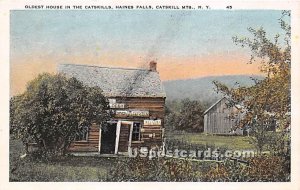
<point x="108" y="139"/>
<point x="125" y="136"/>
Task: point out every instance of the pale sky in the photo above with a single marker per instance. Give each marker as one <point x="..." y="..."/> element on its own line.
<point x="186" y="44"/>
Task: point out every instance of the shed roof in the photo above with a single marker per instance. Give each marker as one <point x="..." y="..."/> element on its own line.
<point x="213" y="105"/>
<point x="237" y="105"/>
<point x="117" y="82"/>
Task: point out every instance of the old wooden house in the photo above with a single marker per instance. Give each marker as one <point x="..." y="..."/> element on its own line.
<point x="221" y="118"/>
<point x="137" y="98"/>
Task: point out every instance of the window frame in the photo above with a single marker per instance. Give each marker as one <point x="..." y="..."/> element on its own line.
<point x="86" y="135"/>
<point x="136" y="132"/>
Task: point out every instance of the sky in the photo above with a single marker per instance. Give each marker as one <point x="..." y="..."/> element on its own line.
<point x="185" y="44"/>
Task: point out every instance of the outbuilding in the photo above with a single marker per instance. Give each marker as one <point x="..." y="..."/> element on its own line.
<point x="221" y="118"/>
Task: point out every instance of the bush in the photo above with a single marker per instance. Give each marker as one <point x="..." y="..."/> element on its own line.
<point x="162" y="169"/>
<point x="53" y="111"/>
<point x="263" y="168"/>
<point x="186" y="115"/>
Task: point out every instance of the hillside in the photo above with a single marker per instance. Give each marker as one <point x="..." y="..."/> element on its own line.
<point x="203" y="88"/>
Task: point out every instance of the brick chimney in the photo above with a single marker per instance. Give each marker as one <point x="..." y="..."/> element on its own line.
<point x="152" y="66"/>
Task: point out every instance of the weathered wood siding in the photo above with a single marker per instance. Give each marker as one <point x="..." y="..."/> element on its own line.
<point x="151" y="135"/>
<point x="91" y="145"/>
<point x="154" y="105"/>
<point x="124" y="138"/>
<point x="219" y="120"/>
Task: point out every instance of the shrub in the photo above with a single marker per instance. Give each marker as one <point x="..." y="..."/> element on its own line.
<point x="263" y="168"/>
<point x="53" y="111"/>
<point x="162" y="169"/>
<point x="186" y="115"/>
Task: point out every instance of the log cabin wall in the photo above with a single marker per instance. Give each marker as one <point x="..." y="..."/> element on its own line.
<point x="89" y="145"/>
<point x="151" y="135"/>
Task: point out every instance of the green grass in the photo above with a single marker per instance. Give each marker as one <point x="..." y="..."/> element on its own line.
<point x="65" y="169"/>
<point x="95" y="169"/>
<point x="55" y="172"/>
<point x="73" y="168"/>
<point x="231" y="142"/>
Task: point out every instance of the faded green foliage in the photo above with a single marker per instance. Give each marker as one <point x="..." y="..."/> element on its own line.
<point x="143" y="169"/>
<point x="171" y="169"/>
<point x="269" y="99"/>
<point x="185" y="115"/>
<point x="70" y="168"/>
<point x="264" y="168"/>
<point x="52" y="111"/>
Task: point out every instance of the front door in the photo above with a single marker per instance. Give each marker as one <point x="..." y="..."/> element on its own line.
<point x="125" y="136"/>
<point x="108" y="139"/>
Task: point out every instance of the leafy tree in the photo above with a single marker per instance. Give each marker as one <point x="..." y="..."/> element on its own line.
<point x="53" y="110"/>
<point x="269" y="99"/>
<point x="185" y="115"/>
<point x="171" y="111"/>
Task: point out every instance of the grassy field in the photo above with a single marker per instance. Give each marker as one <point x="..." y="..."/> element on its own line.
<point x="66" y="169"/>
<point x="95" y="169"/>
<point x="73" y="168"/>
<point x="87" y="169"/>
<point x="231" y="142"/>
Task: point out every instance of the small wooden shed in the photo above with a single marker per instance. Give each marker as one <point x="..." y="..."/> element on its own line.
<point x="137" y="98"/>
<point x="221" y="118"/>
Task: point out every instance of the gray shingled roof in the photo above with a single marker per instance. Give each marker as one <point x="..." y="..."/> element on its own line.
<point x="116" y="82"/>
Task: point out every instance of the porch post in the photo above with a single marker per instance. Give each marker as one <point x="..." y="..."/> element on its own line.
<point x="99" y="143"/>
<point x="130" y="136"/>
<point x="117" y="136"/>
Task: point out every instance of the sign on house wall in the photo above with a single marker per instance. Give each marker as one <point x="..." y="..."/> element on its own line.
<point x="152" y="122"/>
<point x="113" y="104"/>
<point x="117" y="106"/>
<point x="132" y="113"/>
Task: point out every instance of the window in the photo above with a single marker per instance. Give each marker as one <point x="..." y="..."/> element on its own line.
<point x="136" y="131"/>
<point x="82" y="134"/>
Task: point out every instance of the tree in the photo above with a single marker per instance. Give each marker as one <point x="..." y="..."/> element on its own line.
<point x="268" y="99"/>
<point x="188" y="115"/>
<point x="53" y="111"/>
